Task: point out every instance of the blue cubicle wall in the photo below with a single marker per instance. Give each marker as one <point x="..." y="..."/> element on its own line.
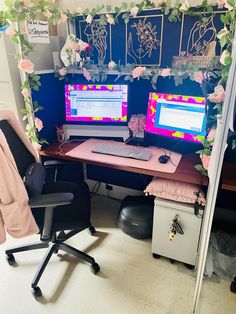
<point x="149" y="39"/>
<point x="51" y="97"/>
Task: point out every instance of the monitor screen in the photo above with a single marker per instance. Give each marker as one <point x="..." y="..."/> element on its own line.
<point x="92" y="103"/>
<point x="177" y="116"/>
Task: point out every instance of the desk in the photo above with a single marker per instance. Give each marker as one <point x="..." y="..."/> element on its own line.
<point x="185" y="171"/>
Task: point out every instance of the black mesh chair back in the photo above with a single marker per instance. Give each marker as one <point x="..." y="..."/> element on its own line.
<point x="61" y="211"/>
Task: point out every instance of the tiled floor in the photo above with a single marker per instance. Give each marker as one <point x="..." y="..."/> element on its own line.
<point x="130" y="281"/>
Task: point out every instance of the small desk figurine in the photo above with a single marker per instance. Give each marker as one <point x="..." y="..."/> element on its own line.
<point x="137" y="125"/>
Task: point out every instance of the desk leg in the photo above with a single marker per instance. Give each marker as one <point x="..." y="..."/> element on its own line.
<point x="85" y="171"/>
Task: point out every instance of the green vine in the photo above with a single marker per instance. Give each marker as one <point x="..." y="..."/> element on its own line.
<point x="18" y="11"/>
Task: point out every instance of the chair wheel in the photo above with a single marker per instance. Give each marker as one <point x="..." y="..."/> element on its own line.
<point x="92" y="230"/>
<point x="11" y="259"/>
<point x="157" y="256"/>
<point x="94" y="268"/>
<point x="233" y="286"/>
<point x="37" y="293"/>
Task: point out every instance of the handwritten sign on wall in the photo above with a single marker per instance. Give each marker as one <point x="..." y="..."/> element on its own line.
<point x="38" y="32"/>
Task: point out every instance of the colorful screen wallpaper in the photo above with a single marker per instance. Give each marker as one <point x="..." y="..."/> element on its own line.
<point x="94" y="103"/>
<point x="190" y="105"/>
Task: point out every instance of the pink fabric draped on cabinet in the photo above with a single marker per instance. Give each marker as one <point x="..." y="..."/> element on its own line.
<point x="15" y="214"/>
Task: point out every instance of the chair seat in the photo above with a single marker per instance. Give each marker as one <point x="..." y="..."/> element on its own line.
<point x="73" y="216"/>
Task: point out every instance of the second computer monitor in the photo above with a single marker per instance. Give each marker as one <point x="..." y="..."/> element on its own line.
<point x="177" y="116"/>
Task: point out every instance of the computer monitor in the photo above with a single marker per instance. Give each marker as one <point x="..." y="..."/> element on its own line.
<point x="177" y="116"/>
<point x="96" y="104"/>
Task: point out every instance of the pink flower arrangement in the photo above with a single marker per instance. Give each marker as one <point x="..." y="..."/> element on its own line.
<point x="218" y="95"/>
<point x="198" y="77"/>
<point x="165" y="72"/>
<point x="38" y="124"/>
<point x="205" y="160"/>
<point x="10" y="31"/>
<point x="86" y="74"/>
<point x="138" y="71"/>
<point x="26" y="65"/>
<point x="25" y="93"/>
<point x="137" y="123"/>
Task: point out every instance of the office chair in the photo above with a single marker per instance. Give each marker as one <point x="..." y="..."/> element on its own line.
<point x="57" y="207"/>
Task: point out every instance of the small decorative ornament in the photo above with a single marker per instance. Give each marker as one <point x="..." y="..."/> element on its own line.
<point x="137" y="126"/>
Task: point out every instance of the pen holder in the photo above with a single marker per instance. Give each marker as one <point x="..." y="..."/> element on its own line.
<point x="60" y="134"/>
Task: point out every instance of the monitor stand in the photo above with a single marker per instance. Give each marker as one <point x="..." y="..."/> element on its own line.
<point x="112" y="131"/>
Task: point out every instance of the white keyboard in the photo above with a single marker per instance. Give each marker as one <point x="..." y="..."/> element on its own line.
<point x="127" y="152"/>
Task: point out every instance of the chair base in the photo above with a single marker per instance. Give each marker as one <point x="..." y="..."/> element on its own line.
<point x="53" y="248"/>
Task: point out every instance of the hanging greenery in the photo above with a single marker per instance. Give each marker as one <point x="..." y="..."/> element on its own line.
<point x="21" y="11"/>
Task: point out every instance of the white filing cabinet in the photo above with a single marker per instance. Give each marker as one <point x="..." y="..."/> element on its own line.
<point x="183" y="247"/>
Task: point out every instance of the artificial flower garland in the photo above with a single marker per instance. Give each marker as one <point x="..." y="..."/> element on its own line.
<point x="24" y="10"/>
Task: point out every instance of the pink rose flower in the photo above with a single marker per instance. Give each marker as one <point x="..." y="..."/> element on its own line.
<point x="211" y="135"/>
<point x="198" y="77"/>
<point x="26" y="3"/>
<point x="26" y="65"/>
<point x="205" y="160"/>
<point x="25" y="93"/>
<point x="218" y="95"/>
<point x="86" y="74"/>
<point x="224" y="55"/>
<point x="79" y="10"/>
<point x="10" y="31"/>
<point x="63" y="19"/>
<point x="83" y="46"/>
<point x="89" y="19"/>
<point x="38" y="124"/>
<point x="159" y="3"/>
<point x="110" y="19"/>
<point x="138" y="71"/>
<point x="165" y="72"/>
<point x="37" y="146"/>
<point x="228" y="6"/>
<point x="223" y="32"/>
<point x="63" y="71"/>
<point x="48" y="14"/>
<point x="220" y="3"/>
<point x="134" y="11"/>
<point x="75" y="46"/>
<point x="112" y="65"/>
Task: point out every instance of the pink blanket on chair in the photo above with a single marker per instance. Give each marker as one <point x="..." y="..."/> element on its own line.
<point x="15" y="214"/>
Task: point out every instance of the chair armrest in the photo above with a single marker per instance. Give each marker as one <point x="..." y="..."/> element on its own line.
<point x="51" y="200"/>
<point x="55" y="163"/>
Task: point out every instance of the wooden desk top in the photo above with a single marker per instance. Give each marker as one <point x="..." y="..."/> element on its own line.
<point x="185" y="171"/>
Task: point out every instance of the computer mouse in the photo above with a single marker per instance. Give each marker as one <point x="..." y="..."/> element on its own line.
<point x="163" y="159"/>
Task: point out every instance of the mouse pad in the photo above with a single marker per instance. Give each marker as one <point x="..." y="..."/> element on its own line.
<point x="84" y="152"/>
